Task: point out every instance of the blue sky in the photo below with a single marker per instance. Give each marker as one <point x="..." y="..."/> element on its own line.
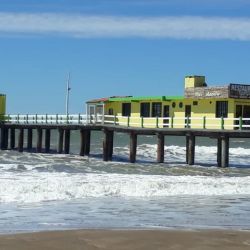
<point x="117" y="47"/>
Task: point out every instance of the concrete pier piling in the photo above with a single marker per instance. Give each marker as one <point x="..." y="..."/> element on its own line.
<point x="47" y="140"/>
<point x="3" y="138"/>
<point x="82" y="142"/>
<point x="60" y="141"/>
<point x="106" y="145"/>
<point x="160" y="148"/>
<point x="29" y="139"/>
<point x="87" y="141"/>
<point x="12" y="138"/>
<point x="39" y="140"/>
<point x="191" y="149"/>
<point x="133" y="147"/>
<point x="6" y="138"/>
<point x="219" y="152"/>
<point x="20" y="140"/>
<point x="224" y="151"/>
<point x="85" y="136"/>
<point x="111" y="145"/>
<point x="108" y="142"/>
<point x="187" y="148"/>
<point x="66" y="141"/>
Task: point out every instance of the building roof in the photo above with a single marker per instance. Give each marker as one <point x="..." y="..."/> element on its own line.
<point x="144" y="98"/>
<point x="135" y="99"/>
<point x="99" y="100"/>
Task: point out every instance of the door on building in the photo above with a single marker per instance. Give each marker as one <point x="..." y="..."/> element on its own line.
<point x="246" y="111"/>
<point x="246" y="114"/>
<point x="238" y="113"/>
<point x="91" y="114"/>
<point x="166" y="114"/>
<point x="99" y="113"/>
<point x="187" y="114"/>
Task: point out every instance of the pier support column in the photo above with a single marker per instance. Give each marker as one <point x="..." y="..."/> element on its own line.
<point x="60" y="141"/>
<point x="47" y="140"/>
<point x="82" y="141"/>
<point x="39" y="140"/>
<point x="219" y="152"/>
<point x="106" y="145"/>
<point x="3" y="138"/>
<point x="111" y="145"/>
<point x="12" y="138"/>
<point x="85" y="137"/>
<point x="66" y="141"/>
<point x="87" y="141"/>
<point x="6" y="138"/>
<point x="160" y="148"/>
<point x="224" y="151"/>
<point x="133" y="146"/>
<point x="191" y="149"/>
<point x="20" y="140"/>
<point x="187" y="148"/>
<point x="29" y="139"/>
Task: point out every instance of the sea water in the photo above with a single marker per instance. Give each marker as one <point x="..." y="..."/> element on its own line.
<point x="52" y="192"/>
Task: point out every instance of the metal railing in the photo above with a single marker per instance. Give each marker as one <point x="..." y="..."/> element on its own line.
<point x="179" y="122"/>
<point x="45" y="119"/>
<point x="131" y="121"/>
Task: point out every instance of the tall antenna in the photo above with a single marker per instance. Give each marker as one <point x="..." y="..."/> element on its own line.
<point x="67" y="94"/>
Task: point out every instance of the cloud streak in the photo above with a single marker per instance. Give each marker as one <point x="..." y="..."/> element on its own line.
<point x="80" y="26"/>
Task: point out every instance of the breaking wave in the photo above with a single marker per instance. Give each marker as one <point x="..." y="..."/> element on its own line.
<point x="63" y="186"/>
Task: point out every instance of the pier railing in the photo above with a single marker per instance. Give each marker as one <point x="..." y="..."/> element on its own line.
<point x="131" y="121"/>
<point x="46" y="119"/>
<point x="179" y="122"/>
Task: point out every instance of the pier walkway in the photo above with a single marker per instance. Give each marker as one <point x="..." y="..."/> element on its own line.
<point x="42" y="125"/>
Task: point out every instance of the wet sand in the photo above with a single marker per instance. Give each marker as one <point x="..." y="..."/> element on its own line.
<point x="128" y="240"/>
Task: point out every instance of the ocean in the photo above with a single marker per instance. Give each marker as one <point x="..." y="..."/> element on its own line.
<point x="55" y="192"/>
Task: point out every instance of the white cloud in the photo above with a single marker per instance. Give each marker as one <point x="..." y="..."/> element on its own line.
<point x="183" y="27"/>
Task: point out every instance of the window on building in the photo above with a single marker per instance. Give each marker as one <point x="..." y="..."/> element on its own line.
<point x="111" y="111"/>
<point x="126" y="109"/>
<point x="221" y="109"/>
<point x="145" y="109"/>
<point x="156" y="109"/>
<point x="195" y="103"/>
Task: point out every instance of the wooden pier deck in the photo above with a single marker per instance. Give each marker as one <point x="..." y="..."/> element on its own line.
<point x="8" y="139"/>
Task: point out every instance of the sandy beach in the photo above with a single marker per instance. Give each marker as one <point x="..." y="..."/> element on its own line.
<point x="130" y="239"/>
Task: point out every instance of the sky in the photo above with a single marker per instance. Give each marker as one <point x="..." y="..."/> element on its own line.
<point x="117" y="47"/>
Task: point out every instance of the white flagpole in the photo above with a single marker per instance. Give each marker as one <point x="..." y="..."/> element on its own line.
<point x="67" y="95"/>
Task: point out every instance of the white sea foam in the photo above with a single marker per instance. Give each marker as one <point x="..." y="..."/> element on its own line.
<point x="147" y="152"/>
<point x="91" y="193"/>
<point x="203" y="154"/>
<point x="62" y="186"/>
<point x="40" y="177"/>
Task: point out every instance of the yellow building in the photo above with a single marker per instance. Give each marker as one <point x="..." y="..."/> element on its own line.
<point x="2" y="105"/>
<point x="201" y="106"/>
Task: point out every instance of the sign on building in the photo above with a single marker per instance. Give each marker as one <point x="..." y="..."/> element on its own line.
<point x="239" y="91"/>
<point x="207" y="92"/>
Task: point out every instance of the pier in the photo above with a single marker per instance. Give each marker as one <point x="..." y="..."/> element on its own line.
<point x="12" y="137"/>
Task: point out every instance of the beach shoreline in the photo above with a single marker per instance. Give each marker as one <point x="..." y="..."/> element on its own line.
<point x="94" y="239"/>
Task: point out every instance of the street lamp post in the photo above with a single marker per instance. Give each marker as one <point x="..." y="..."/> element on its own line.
<point x="67" y="95"/>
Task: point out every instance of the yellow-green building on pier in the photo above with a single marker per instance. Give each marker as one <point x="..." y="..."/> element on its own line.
<point x="226" y="107"/>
